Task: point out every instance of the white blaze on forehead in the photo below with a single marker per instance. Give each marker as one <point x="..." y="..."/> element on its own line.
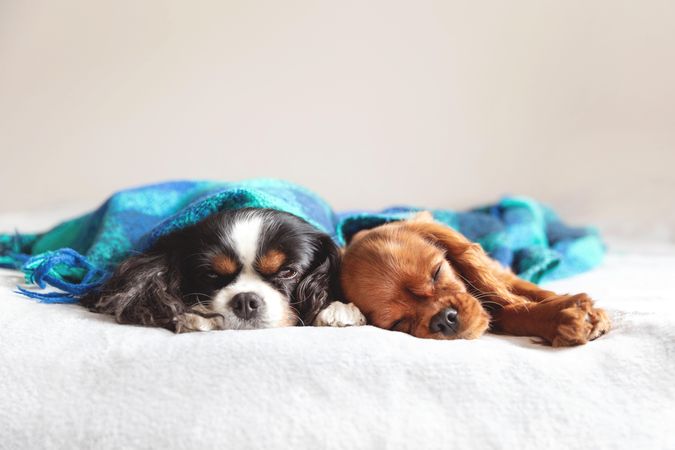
<point x="244" y="237"/>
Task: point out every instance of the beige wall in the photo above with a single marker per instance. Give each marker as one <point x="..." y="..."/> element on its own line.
<point x="441" y="103"/>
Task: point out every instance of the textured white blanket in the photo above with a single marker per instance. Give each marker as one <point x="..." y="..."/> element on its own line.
<point x="70" y="379"/>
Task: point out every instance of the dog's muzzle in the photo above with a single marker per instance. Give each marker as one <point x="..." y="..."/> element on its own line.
<point x="247" y="305"/>
<point x="445" y="322"/>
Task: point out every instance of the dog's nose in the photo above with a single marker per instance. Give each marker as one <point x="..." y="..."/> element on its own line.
<point x="246" y="305"/>
<point x="445" y="322"/>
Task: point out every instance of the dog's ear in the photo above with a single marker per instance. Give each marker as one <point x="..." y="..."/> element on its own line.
<point x="144" y="289"/>
<point x="320" y="285"/>
<point x="422" y="216"/>
<point x="358" y="236"/>
<point x="480" y="273"/>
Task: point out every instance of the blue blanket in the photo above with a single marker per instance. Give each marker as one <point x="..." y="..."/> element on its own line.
<point x="76" y="256"/>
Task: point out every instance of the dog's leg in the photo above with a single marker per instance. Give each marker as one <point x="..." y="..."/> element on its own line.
<point x="188" y="322"/>
<point x="529" y="290"/>
<point x="338" y="314"/>
<point x="562" y="321"/>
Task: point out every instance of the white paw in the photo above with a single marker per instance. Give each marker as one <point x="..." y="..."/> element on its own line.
<point x="339" y="314"/>
<point x="194" y="322"/>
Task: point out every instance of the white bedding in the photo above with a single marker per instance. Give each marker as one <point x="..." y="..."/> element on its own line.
<point x="70" y="379"/>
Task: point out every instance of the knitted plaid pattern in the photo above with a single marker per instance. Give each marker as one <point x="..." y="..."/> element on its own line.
<point x="78" y="255"/>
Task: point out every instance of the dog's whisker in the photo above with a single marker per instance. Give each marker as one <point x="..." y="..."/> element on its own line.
<point x="296" y="314"/>
<point x="486" y="294"/>
<point x="490" y="303"/>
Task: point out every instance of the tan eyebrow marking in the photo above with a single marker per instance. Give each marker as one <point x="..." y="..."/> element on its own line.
<point x="271" y="262"/>
<point x="224" y="265"/>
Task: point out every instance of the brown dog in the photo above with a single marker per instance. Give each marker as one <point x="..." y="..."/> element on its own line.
<point x="423" y="278"/>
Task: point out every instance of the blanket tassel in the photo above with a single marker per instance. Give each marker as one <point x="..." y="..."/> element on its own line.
<point x="64" y="269"/>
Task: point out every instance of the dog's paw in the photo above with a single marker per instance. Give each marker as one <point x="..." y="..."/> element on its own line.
<point x="576" y="321"/>
<point x="600" y="322"/>
<point x="188" y="322"/>
<point x="339" y="314"/>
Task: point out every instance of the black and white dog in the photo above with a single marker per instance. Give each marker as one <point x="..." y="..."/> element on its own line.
<point x="238" y="269"/>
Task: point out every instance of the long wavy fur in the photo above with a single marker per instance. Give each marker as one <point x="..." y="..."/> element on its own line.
<point x="321" y="285"/>
<point x="145" y="289"/>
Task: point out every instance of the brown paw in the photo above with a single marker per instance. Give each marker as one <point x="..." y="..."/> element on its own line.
<point x="575" y="321"/>
<point x="600" y="322"/>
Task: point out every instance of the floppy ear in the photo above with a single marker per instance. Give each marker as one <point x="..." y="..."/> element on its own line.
<point x="358" y="236"/>
<point x="482" y="275"/>
<point x="321" y="285"/>
<point x="422" y="216"/>
<point x="144" y="289"/>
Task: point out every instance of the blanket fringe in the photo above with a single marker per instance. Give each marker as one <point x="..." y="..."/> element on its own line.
<point x="64" y="269"/>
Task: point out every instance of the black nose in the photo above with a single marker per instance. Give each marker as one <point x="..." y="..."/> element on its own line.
<point x="445" y="322"/>
<point x="246" y="305"/>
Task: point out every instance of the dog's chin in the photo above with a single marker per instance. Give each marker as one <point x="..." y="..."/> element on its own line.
<point x="474" y="333"/>
<point x="475" y="328"/>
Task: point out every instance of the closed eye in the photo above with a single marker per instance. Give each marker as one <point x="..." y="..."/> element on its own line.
<point x="215" y="278"/>
<point x="402" y="325"/>
<point x="437" y="272"/>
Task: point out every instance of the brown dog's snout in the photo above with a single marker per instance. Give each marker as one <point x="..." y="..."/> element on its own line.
<point x="445" y="322"/>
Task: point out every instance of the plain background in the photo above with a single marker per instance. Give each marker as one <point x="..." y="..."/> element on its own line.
<point x="442" y="104"/>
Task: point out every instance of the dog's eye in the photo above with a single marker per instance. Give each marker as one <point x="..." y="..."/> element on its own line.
<point x="437" y="272"/>
<point x="286" y="272"/>
<point x="212" y="275"/>
<point x="396" y="325"/>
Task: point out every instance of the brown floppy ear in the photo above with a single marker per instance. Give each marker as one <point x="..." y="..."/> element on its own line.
<point x="421" y="216"/>
<point x="358" y="236"/>
<point x="483" y="276"/>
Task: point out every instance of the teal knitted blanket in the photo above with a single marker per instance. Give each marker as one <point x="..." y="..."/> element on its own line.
<point x="76" y="256"/>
